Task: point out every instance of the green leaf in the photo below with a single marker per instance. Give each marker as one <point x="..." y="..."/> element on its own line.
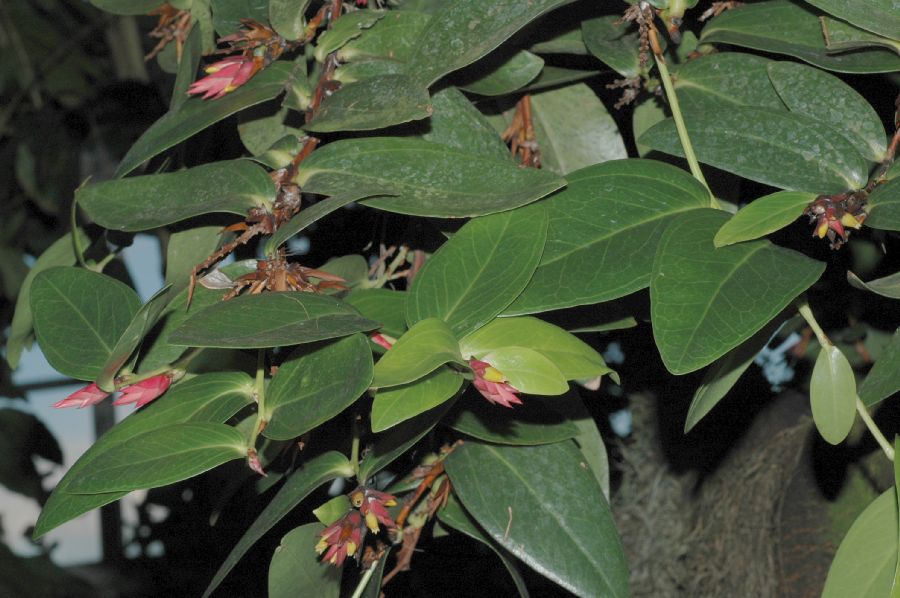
<point x="60" y="253"/>
<point x="270" y="320"/>
<point x="841" y="36"/>
<point x="400" y="403"/>
<point x="332" y="510"/>
<point x="889" y="286"/>
<point x="825" y="98"/>
<point x="832" y="393"/>
<point x="706" y="301"/>
<point x="126" y="7"/>
<point x="536" y="421"/>
<point x="532" y="501"/>
<point x="453" y="515"/>
<point x="608" y="39"/>
<point x="392" y="38"/>
<point x="588" y="439"/>
<point x="884" y="206"/>
<point x="456" y="123"/>
<point x="465" y="30"/>
<point x="263" y="125"/>
<point x="137" y="329"/>
<point x="287" y="17"/>
<point x="281" y="153"/>
<point x="574" y="358"/>
<point x="763" y="216"/>
<point x="314" y="213"/>
<point x="428" y="179"/>
<point x="78" y="317"/>
<point x="554" y="76"/>
<point x="315" y="383"/>
<point x="354" y="269"/>
<point x="384" y="306"/>
<point x="646" y="114"/>
<point x="295" y="567"/>
<point x="608" y="326"/>
<point x="227" y="14"/>
<point x="725" y="79"/>
<point x="477" y="273"/>
<point x="373" y="103"/>
<point x="233" y="186"/>
<point x="883" y="379"/>
<point x="488" y="78"/>
<point x="895" y="586"/>
<point x="528" y="371"/>
<point x="864" y="564"/>
<point x="315" y="472"/>
<point x="190" y="61"/>
<point x="163" y="456"/>
<point x="428" y="344"/>
<point x="603" y="232"/>
<point x="877" y="16"/>
<point x="721" y="377"/>
<point x="567" y="42"/>
<point x="348" y="27"/>
<point x="185" y="249"/>
<point x="572" y="139"/>
<point x="785" y="27"/>
<point x="196" y="114"/>
<point x="774" y="147"/>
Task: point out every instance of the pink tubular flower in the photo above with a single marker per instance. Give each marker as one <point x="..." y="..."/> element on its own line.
<point x="224" y="76"/>
<point x="144" y="391"/>
<point x="492" y="384"/>
<point x="383" y="340"/>
<point x="372" y="504"/>
<point x="342" y="538"/>
<point x="89" y="395"/>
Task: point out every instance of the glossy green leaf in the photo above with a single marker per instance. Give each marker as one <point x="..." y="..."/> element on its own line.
<point x="196" y="114"/>
<point x="21" y="331"/>
<point x="227" y="14"/>
<point x="572" y="139"/>
<point x="456" y="123"/>
<point x="832" y="393"/>
<point x="546" y="509"/>
<point x="393" y="38"/>
<point x="725" y="79"/>
<point x="270" y="320"/>
<point x="608" y="326"/>
<point x="528" y="370"/>
<point x="315" y="383"/>
<point x="608" y="39"/>
<point x="453" y="515"/>
<point x="587" y="439"/>
<point x="487" y="78"/>
<point x="315" y="472"/>
<point x="281" y="153"/>
<point x="259" y="127"/>
<point x="878" y="16"/>
<point x="763" y="216"/>
<point x="884" y="206"/>
<point x="78" y="317"/>
<point x="706" y="301"/>
<point x="889" y="286"/>
<point x="883" y="379"/>
<point x="332" y="510"/>
<point x="465" y="30"/>
<point x="568" y="42"/>
<point x="722" y="375"/>
<point x="841" y="36"/>
<point x="428" y="344"/>
<point x="384" y="306"/>
<point x="400" y="403"/>
<point x="137" y="329"/>
<point x="785" y="27"/>
<point x="396" y="441"/>
<point x="185" y="249"/>
<point x="646" y="114"/>
<point x="373" y="103"/>
<point x="536" y="421"/>
<point x="295" y="568"/>
<point x="823" y="97"/>
<point x="163" y="456"/>
<point x="287" y="17"/>
<point x="233" y="186"/>
<point x="774" y="147"/>
<point x="428" y="179"/>
<point x="314" y="213"/>
<point x="603" y="232"/>
<point x="341" y="31"/>
<point x="864" y="564"/>
<point x="574" y="358"/>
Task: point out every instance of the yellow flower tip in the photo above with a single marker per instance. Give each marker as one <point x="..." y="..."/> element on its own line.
<point x="351" y="548"/>
<point x="492" y="374"/>
<point x="850" y="220"/>
<point x="333" y="559"/>
<point x="321" y="546"/>
<point x="230" y="88"/>
<point x="372" y="523"/>
<point x="356" y="499"/>
<point x="822" y="230"/>
<point x="390" y="503"/>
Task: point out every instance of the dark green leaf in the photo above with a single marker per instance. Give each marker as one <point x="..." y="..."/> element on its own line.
<point x="603" y="232"/>
<point x="884" y="206"/>
<point x="401" y="403"/>
<point x="791" y="28"/>
<point x="883" y="379"/>
<point x="877" y="16"/>
<point x="825" y="98"/>
<point x="774" y="147"/>
<point x="373" y="103"/>
<point x="536" y="421"/>
<point x="196" y="114"/>
<point x="286" y="17"/>
<point x="348" y="27"/>
<point x="554" y="76"/>
<point x="763" y="216"/>
<point x="428" y="344"/>
<point x="841" y="36"/>
<point x="392" y="38"/>
<point x="270" y="320"/>
<point x="354" y="269"/>
<point x="473" y="276"/>
<point x="568" y="42"/>
<point x="314" y="384"/>
<point x="895" y="586"/>
<point x="504" y="78"/>
<point x="281" y="153"/>
<point x="312" y="214"/>
<point x="864" y="564"/>
<point x="263" y="125"/>
<point x="608" y="39"/>
<point x="78" y="317"/>
<point x="706" y="301"/>
<point x="227" y="14"/>
<point x="725" y="79"/>
<point x="188" y="65"/>
<point x="428" y="179"/>
<point x="232" y="186"/>
<point x="126" y="7"/>
<point x="185" y="249"/>
<point x="384" y="306"/>
<point x="889" y="286"/>
<point x="458" y="124"/>
<point x="295" y="568"/>
<point x="299" y="485"/>
<point x="588" y="439"/>
<point x="545" y="508"/>
<point x="832" y="392"/>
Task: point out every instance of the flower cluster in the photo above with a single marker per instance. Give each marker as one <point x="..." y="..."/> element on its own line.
<point x="834" y="214"/>
<point x="139" y="393"/>
<point x="493" y="385"/>
<point x="344" y="537"/>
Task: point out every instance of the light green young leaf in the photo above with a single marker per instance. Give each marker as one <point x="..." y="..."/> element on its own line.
<point x="400" y="403"/>
<point x="295" y="568"/>
<point x="763" y="216"/>
<point x="427" y="345"/>
<point x="528" y="371"/>
<point x="832" y="393"/>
